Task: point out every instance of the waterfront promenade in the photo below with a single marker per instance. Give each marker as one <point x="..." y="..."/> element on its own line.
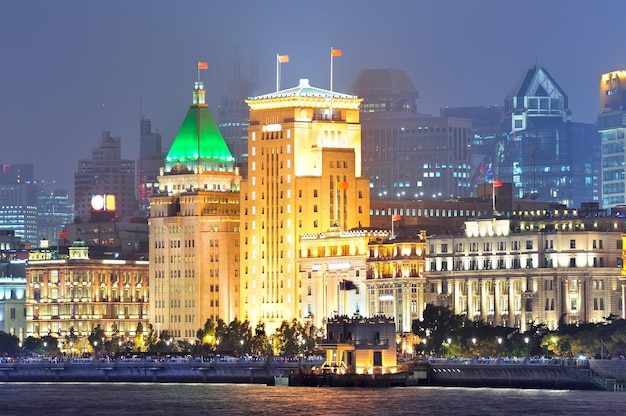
<point x="522" y="373"/>
<point x="190" y="370"/>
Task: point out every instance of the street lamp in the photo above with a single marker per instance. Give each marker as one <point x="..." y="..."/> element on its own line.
<point x="526" y="341"/>
<point x="498" y="348"/>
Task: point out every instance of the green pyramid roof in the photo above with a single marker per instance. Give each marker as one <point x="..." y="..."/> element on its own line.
<point x="210" y="144"/>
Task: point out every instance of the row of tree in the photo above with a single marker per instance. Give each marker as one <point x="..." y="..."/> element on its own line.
<point x="237" y="338"/>
<point x="444" y="333"/>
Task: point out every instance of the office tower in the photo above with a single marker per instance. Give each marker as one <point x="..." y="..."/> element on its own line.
<point x="151" y="156"/>
<point x="408" y="155"/>
<point x="18" y="201"/>
<point x="232" y="118"/>
<point x="304" y="177"/>
<point x="612" y="126"/>
<point x="194" y="229"/>
<point x="105" y="173"/>
<point x="539" y="150"/>
<point x="54" y="212"/>
<point x="486" y="123"/>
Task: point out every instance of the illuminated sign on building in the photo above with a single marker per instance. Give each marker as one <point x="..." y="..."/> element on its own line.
<point x="103" y="203"/>
<point x="338" y="266"/>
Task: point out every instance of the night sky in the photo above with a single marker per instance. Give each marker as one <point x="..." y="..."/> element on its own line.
<point x="72" y="68"/>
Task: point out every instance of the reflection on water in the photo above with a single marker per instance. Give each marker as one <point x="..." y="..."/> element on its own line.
<point x="241" y="399"/>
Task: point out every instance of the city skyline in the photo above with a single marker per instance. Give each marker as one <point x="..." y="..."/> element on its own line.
<point x="73" y="70"/>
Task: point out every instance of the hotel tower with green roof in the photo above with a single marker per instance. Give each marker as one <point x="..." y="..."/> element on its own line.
<point x="194" y="229"/>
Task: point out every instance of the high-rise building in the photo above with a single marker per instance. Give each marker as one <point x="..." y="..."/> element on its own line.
<point x="151" y="156"/>
<point x="232" y="118"/>
<point x="18" y="201"/>
<point x="105" y="173"/>
<point x="54" y="212"/>
<point x="540" y="151"/>
<point x="612" y="126"/>
<point x="486" y="124"/>
<point x="407" y="155"/>
<point x="194" y="229"/>
<point x="304" y="178"/>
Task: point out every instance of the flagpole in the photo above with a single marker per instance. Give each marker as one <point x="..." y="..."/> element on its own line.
<point x="493" y="194"/>
<point x="392" y="234"/>
<point x="331" y="69"/>
<point x="198" y="70"/>
<point x="277" y="72"/>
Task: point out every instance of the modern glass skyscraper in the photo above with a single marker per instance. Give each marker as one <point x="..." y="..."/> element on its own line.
<point x="18" y="201"/>
<point x="539" y="150"/>
<point x="151" y="156"/>
<point x="408" y="155"/>
<point x="612" y="126"/>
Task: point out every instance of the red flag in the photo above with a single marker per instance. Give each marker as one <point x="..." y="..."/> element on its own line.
<point x="335" y="52"/>
<point x="396" y="217"/>
<point x="283" y="58"/>
<point x="63" y="234"/>
<point x="497" y="183"/>
<point x="203" y="65"/>
<point x="343" y="185"/>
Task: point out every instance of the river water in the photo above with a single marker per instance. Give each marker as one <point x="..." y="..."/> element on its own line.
<point x="20" y="399"/>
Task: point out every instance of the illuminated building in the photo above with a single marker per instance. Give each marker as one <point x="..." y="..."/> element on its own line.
<point x="105" y="173"/>
<point x="232" y="118"/>
<point x="486" y="124"/>
<point x="13" y="298"/>
<point x="18" y="201"/>
<point x="612" y="126"/>
<point x="54" y="211"/>
<point x="540" y="151"/>
<point x="81" y="292"/>
<point x="304" y="177"/>
<point x="516" y="272"/>
<point x="332" y="271"/>
<point x="194" y="229"/>
<point x="357" y="345"/>
<point x="151" y="156"/>
<point x="407" y="155"/>
<point x="395" y="280"/>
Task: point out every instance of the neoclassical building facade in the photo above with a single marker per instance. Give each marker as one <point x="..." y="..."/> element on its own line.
<point x="518" y="272"/>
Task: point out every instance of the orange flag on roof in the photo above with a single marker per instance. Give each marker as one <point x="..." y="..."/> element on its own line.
<point x="396" y="217"/>
<point x="203" y="65"/>
<point x="283" y="58"/>
<point x="335" y="52"/>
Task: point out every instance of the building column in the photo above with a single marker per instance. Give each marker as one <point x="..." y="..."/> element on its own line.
<point x="484" y="309"/>
<point x="511" y="301"/>
<point x="496" y="303"/>
<point x="457" y="297"/>
<point x="623" y="299"/>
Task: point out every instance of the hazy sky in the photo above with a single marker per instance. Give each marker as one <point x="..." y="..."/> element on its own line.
<point x="72" y="68"/>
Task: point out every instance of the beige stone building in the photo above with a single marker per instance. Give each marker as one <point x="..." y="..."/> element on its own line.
<point x="516" y="272"/>
<point x="304" y="177"/>
<point x="83" y="292"/>
<point x="194" y="229"/>
<point x="395" y="280"/>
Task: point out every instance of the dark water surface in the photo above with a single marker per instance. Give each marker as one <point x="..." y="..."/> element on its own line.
<point x="241" y="399"/>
